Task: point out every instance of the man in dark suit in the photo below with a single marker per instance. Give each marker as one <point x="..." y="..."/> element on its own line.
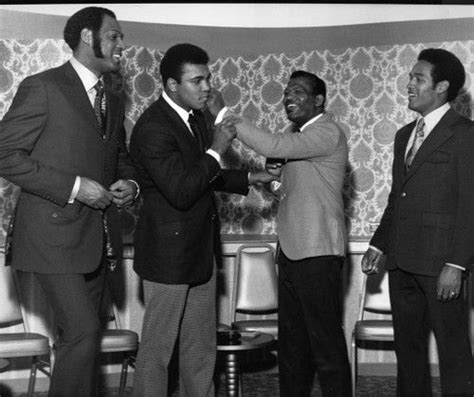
<point x="427" y="231"/>
<point x="67" y="159"/>
<point x="177" y="236"/>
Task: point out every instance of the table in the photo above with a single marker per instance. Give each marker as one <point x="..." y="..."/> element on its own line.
<point x="249" y="341"/>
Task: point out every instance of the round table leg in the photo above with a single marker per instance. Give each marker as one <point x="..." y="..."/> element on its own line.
<point x="232" y="375"/>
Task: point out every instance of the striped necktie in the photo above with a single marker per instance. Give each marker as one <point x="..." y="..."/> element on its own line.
<point x="417" y="141"/>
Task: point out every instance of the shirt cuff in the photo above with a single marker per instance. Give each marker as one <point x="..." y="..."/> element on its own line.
<point x="220" y="115"/>
<point x="376" y="249"/>
<point x="75" y="190"/>
<point x="456" y="266"/>
<point x="138" y="188"/>
<point x="214" y="154"/>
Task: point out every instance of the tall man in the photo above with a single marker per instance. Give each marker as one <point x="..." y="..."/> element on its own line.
<point x="67" y="161"/>
<point x="312" y="239"/>
<point x="177" y="235"/>
<point x="427" y="230"/>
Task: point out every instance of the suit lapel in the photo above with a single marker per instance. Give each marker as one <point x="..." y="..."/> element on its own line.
<point x="180" y="129"/>
<point x="437" y="137"/>
<point x="74" y="90"/>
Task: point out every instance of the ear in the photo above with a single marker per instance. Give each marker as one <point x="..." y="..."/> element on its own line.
<point x="442" y="86"/>
<point x="172" y="85"/>
<point x="86" y="36"/>
<point x="319" y="100"/>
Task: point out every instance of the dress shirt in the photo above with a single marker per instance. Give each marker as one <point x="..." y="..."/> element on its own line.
<point x="431" y="120"/>
<point x="89" y="79"/>
<point x="184" y="115"/>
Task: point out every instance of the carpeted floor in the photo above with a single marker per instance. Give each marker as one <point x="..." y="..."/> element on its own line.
<point x="264" y="384"/>
<point x="260" y="379"/>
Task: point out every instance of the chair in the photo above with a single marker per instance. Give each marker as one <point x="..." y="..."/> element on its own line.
<point x="255" y="291"/>
<point x="20" y="344"/>
<point x="374" y="299"/>
<point x="119" y="340"/>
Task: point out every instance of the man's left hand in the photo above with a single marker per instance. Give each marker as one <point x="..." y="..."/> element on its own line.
<point x="449" y="283"/>
<point x="123" y="192"/>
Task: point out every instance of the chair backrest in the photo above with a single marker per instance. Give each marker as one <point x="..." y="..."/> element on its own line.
<point x="10" y="311"/>
<point x="375" y="294"/>
<point x="255" y="280"/>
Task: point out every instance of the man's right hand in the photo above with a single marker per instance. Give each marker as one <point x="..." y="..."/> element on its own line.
<point x="370" y="261"/>
<point x="223" y="135"/>
<point x="93" y="194"/>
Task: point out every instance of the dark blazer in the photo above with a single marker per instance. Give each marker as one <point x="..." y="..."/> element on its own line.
<point x="50" y="135"/>
<point x="178" y="226"/>
<point x="429" y="218"/>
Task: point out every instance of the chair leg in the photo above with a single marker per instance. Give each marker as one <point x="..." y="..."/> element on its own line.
<point x="354" y="365"/>
<point x="123" y="375"/>
<point x="31" y="382"/>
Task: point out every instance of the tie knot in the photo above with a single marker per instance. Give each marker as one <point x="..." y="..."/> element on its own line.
<point x="99" y="87"/>
<point x="420" y="128"/>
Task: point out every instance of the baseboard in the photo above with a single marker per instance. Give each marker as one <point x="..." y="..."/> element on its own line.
<point x="387" y="369"/>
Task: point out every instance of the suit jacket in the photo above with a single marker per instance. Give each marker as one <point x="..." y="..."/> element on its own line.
<point x="48" y="137"/>
<point x="429" y="218"/>
<point x="178" y="226"/>
<point x="310" y="217"/>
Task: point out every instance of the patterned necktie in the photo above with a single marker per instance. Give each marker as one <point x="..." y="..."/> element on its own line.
<point x="417" y="141"/>
<point x="196" y="131"/>
<point x="99" y="106"/>
<point x="99" y="110"/>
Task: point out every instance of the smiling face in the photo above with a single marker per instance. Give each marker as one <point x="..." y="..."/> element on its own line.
<point x="107" y="47"/>
<point x="423" y="95"/>
<point x="300" y="103"/>
<point x="193" y="90"/>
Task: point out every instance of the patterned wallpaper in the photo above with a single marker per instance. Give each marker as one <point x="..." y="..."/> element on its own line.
<point x="366" y="94"/>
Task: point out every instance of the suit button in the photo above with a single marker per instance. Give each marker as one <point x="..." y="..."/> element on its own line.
<point x="54" y="214"/>
<point x="404" y="194"/>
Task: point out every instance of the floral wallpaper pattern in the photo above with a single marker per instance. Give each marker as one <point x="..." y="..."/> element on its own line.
<point x="366" y="94"/>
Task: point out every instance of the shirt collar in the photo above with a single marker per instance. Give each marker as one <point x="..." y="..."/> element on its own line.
<point x="88" y="78"/>
<point x="311" y="121"/>
<point x="433" y="118"/>
<point x="184" y="114"/>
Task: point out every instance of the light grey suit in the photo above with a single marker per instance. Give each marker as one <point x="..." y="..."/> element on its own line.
<point x="310" y="218"/>
<point x="312" y="238"/>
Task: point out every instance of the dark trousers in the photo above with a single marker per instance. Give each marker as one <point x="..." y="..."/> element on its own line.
<point x="75" y="300"/>
<point x="416" y="311"/>
<point x="310" y="334"/>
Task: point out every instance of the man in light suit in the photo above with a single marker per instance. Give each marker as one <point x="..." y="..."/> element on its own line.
<point x="427" y="231"/>
<point x="177" y="239"/>
<point x="312" y="238"/>
<point x="67" y="162"/>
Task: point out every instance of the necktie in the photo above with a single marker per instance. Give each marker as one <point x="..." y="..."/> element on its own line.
<point x="110" y="254"/>
<point x="196" y="131"/>
<point x="99" y="110"/>
<point x="417" y="141"/>
<point x="99" y="106"/>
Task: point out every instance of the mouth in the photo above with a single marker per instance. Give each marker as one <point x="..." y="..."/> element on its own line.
<point x="117" y="57"/>
<point x="290" y="107"/>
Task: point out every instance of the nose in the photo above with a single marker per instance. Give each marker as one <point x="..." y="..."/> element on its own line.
<point x="121" y="43"/>
<point x="206" y="85"/>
